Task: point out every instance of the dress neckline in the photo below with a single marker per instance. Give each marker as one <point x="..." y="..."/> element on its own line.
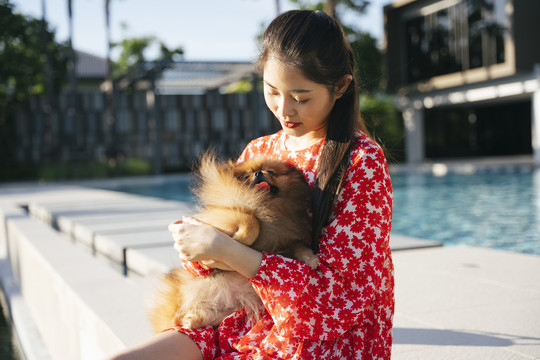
<point x="311" y="148"/>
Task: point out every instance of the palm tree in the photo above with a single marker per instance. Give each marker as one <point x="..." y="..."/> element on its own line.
<point x="330" y="7"/>
<point x="108" y="35"/>
<point x="278" y="7"/>
<point x="46" y="137"/>
<point x="110" y="113"/>
<point x="72" y="104"/>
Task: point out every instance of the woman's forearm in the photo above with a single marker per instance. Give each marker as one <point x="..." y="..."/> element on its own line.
<point x="241" y="258"/>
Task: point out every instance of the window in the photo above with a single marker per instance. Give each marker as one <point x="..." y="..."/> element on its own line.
<point x="463" y="35"/>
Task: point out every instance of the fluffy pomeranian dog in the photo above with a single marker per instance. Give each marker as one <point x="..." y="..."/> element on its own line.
<point x="261" y="203"/>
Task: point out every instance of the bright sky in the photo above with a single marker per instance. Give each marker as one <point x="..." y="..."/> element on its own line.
<point x="206" y="29"/>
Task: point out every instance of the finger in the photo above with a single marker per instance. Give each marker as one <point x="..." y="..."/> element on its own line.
<point x="191" y="220"/>
<point x="175" y="226"/>
<point x="185" y="258"/>
<point x="176" y="237"/>
<point x="178" y="247"/>
<point x="183" y="255"/>
<point x="207" y="263"/>
<point x="203" y="265"/>
<point x="215" y="265"/>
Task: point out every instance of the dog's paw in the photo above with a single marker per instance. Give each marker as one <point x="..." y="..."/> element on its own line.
<point x="190" y="321"/>
<point x="312" y="261"/>
<point x="306" y="255"/>
<point x="198" y="320"/>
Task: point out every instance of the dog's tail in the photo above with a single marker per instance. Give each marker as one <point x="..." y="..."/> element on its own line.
<point x="162" y="314"/>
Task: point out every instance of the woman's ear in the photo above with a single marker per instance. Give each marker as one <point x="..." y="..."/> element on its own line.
<point x="342" y="85"/>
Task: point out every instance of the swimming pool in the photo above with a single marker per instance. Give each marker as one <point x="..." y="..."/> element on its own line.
<point x="497" y="208"/>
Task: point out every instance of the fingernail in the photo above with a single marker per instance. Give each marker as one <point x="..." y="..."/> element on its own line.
<point x="173" y="227"/>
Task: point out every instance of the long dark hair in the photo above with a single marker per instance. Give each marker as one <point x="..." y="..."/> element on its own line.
<point x="315" y="44"/>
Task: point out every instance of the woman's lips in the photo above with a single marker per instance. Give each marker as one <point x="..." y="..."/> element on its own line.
<point x="290" y="125"/>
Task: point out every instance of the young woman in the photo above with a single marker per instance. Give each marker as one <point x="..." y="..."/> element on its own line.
<point x="344" y="308"/>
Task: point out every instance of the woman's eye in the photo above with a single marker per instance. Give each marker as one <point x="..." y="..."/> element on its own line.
<point x="301" y="101"/>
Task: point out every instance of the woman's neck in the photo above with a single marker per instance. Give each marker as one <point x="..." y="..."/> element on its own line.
<point x="296" y="143"/>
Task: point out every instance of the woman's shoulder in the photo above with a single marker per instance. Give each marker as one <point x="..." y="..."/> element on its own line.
<point x="266" y="140"/>
<point x="368" y="161"/>
<point x="365" y="146"/>
<point x="263" y="145"/>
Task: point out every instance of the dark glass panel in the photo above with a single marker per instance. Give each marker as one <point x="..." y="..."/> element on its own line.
<point x="463" y="36"/>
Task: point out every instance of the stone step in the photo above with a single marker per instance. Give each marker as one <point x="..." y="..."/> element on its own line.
<point x="81" y="306"/>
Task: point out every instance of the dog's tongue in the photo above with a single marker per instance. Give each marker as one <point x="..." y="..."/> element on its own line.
<point x="263" y="185"/>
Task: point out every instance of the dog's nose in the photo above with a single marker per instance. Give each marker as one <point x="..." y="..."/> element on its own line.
<point x="259" y="175"/>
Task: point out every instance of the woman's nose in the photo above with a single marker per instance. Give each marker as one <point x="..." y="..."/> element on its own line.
<point x="286" y="108"/>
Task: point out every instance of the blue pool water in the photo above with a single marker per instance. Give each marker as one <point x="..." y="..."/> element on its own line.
<point x="494" y="209"/>
<point x="497" y="209"/>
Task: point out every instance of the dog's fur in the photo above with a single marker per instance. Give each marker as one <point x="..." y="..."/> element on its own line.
<point x="260" y="203"/>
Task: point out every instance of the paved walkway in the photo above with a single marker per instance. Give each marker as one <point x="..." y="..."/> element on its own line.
<point x="451" y="302"/>
<point x="466" y="303"/>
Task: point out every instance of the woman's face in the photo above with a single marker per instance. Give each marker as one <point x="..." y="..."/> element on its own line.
<point x="301" y="105"/>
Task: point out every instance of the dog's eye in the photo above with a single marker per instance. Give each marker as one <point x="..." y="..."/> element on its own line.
<point x="270" y="172"/>
<point x="242" y="177"/>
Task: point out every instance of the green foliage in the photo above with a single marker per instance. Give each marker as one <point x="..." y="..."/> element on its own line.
<point x="23" y="44"/>
<point x="308" y="5"/>
<point x="384" y="122"/>
<point x="170" y="54"/>
<point x="134" y="166"/>
<point x="79" y="170"/>
<point x="358" y="6"/>
<point x="240" y="86"/>
<point x="368" y="61"/>
<point x="133" y="53"/>
<point x="26" y="44"/>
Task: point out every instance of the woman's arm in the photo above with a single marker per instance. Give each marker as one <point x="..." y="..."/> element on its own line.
<point x="163" y="346"/>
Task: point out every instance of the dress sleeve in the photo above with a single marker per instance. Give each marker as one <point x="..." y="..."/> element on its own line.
<point x="196" y="269"/>
<point x="322" y="304"/>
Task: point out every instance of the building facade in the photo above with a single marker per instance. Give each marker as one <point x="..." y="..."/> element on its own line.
<point x="467" y="76"/>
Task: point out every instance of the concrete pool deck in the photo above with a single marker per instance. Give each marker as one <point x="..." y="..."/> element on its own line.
<point x="65" y="251"/>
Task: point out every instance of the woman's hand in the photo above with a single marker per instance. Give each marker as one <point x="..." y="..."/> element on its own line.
<point x="200" y="242"/>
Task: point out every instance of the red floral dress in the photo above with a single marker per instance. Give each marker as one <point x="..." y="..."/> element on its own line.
<point x="344" y="308"/>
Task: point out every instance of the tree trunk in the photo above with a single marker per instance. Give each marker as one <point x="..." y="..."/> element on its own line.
<point x="278" y="7"/>
<point x="110" y="122"/>
<point x="72" y="107"/>
<point x="46" y="137"/>
<point x="330" y="8"/>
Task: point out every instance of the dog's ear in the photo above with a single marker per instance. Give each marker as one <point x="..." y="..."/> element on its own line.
<point x="230" y="166"/>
